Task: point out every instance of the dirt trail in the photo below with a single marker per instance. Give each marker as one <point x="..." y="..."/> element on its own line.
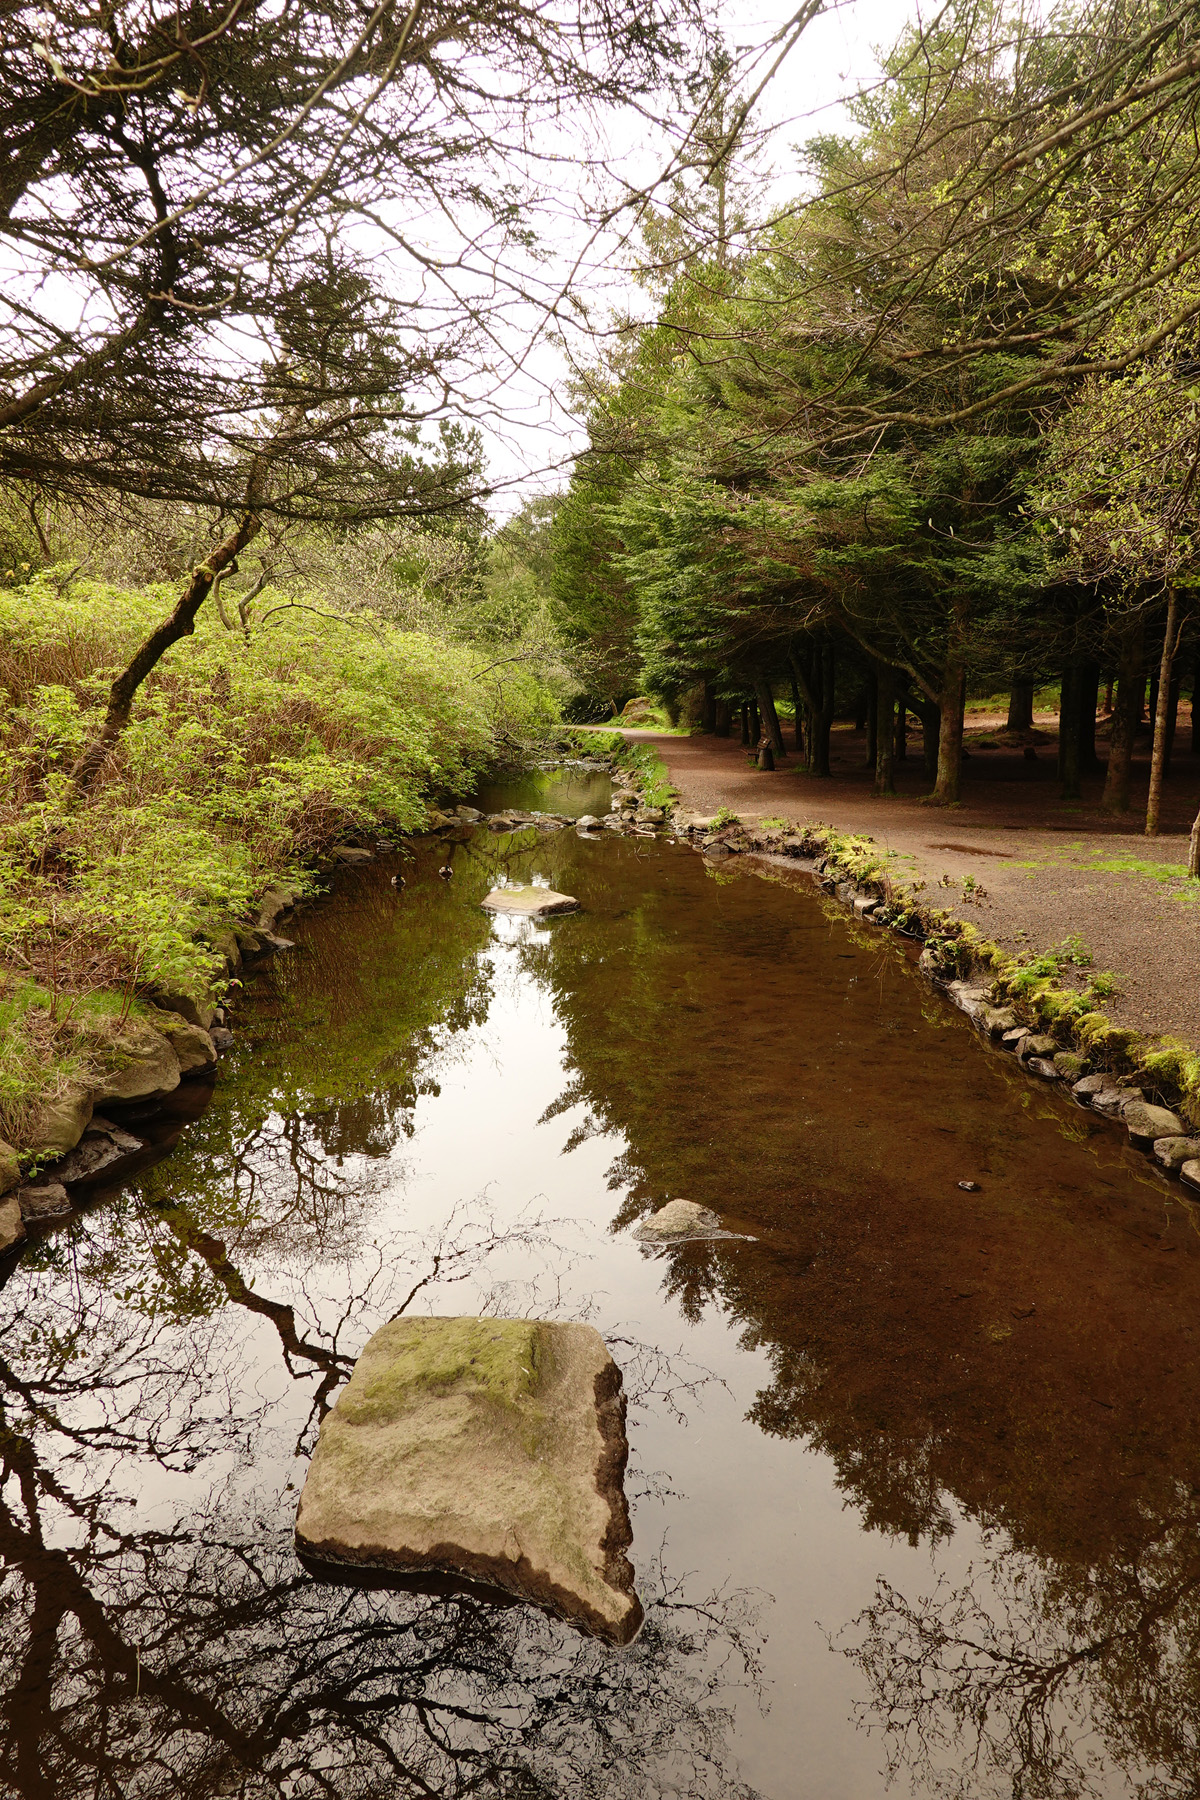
<point x="1047" y="870"/>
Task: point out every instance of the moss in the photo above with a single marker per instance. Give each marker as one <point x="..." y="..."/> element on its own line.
<point x="411" y="1358"/>
<point x="1073" y="1016"/>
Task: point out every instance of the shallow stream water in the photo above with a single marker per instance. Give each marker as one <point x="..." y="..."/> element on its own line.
<point x="915" y="1471"/>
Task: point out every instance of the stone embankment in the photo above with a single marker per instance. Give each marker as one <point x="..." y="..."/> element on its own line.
<point x="154" y="1073"/>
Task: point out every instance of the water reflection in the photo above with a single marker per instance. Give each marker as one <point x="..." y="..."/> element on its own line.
<point x="1009" y="1369"/>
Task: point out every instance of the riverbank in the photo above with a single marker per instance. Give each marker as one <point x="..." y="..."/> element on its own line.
<point x="1011" y="863"/>
<point x="255" y="763"/>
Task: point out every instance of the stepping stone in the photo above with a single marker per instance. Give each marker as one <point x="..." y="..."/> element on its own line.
<point x="491" y="1450"/>
<point x="529" y="902"/>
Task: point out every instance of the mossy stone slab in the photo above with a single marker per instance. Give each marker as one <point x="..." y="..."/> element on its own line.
<point x="489" y="1449"/>
<point x="529" y="902"/>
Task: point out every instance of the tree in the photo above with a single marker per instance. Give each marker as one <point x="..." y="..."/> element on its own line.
<point x="195" y="206"/>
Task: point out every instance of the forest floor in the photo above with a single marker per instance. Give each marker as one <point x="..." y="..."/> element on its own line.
<point x="1024" y="867"/>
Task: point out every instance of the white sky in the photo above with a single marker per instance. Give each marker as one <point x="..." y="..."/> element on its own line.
<point x="834" y="58"/>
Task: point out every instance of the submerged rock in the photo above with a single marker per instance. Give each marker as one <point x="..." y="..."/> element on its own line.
<point x="529" y="902"/>
<point x="680" y="1222"/>
<point x="488" y="1449"/>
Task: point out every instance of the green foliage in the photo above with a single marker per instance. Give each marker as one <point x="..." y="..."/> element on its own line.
<point x="650" y="772"/>
<point x="246" y="758"/>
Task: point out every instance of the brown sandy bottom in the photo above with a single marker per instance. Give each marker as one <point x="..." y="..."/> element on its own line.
<point x="1043" y="871"/>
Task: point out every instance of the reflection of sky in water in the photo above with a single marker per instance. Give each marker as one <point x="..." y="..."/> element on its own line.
<point x="726" y="1042"/>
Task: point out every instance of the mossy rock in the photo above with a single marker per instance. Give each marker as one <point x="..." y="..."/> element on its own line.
<point x="492" y="1450"/>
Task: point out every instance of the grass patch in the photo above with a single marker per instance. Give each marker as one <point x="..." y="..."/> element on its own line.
<point x="650" y="773"/>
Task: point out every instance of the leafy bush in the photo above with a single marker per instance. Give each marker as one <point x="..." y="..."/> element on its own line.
<point x="245" y="760"/>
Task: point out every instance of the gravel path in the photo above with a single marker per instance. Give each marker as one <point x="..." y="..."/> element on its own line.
<point x="1046" y="870"/>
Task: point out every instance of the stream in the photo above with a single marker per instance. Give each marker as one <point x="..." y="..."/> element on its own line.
<point x="914" y="1473"/>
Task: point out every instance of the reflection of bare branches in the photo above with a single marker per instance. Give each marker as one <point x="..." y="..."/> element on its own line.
<point x="1035" y="1679"/>
<point x="187" y="1652"/>
<point x="210" y="1664"/>
<point x="652" y="1374"/>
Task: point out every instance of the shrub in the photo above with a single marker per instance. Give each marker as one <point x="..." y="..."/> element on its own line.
<point x="246" y="758"/>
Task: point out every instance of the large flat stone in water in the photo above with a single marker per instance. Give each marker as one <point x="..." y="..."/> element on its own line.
<point x="529" y="902"/>
<point x="489" y="1449"/>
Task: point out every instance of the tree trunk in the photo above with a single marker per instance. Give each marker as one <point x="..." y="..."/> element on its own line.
<point x="872" y="718"/>
<point x="766" y="755"/>
<point x="799" y="732"/>
<point x="823" y="720"/>
<point x="1158" y="755"/>
<point x="1123" y="726"/>
<point x="1089" y="692"/>
<point x="952" y="706"/>
<point x="1068" y="731"/>
<point x="180" y="624"/>
<point x="708" y="709"/>
<point x="746" y="723"/>
<point x="770" y="718"/>
<point x="863" y="706"/>
<point x="723" y="724"/>
<point x="885" y="729"/>
<point x="902" y="719"/>
<point x="1020" y="704"/>
<point x="1194" y="848"/>
<point x="1172" y="719"/>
